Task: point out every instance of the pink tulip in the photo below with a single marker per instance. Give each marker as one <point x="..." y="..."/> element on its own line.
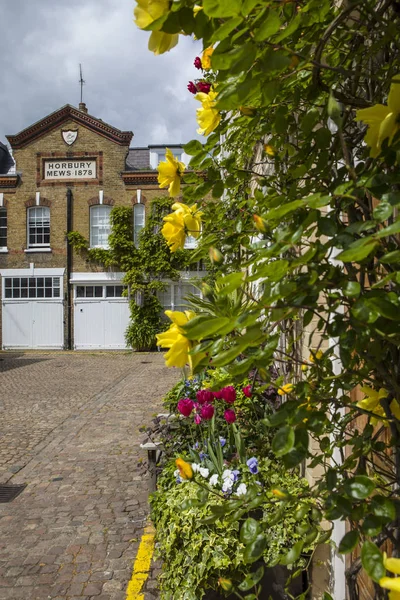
<point x="247" y="391"/>
<point x="185" y="406"/>
<point x="207" y="411"/>
<point x="230" y="416"/>
<point x="228" y="394"/>
<point x="204" y="396"/>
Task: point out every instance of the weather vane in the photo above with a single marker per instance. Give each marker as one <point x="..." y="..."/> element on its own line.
<point x="81" y="81"/>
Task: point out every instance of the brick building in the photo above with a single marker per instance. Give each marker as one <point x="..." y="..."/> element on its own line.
<point x="68" y="170"/>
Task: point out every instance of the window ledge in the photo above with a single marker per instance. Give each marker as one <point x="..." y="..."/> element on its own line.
<point x="3" y="251"/>
<point x="28" y="250"/>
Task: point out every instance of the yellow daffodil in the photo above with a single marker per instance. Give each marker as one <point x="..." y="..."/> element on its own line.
<point x="174" y="339"/>
<point x="372" y="403"/>
<point x="161" y="42"/>
<point x="286" y="389"/>
<point x="170" y="172"/>
<point x="391" y="583"/>
<point x="383" y="121"/>
<point x="197" y="9"/>
<point x="206" y="58"/>
<point x="184" y="468"/>
<point x="185" y="220"/>
<point x="207" y="116"/>
<point x="315" y="355"/>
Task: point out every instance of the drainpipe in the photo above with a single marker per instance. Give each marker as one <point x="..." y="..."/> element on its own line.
<point x="69" y="267"/>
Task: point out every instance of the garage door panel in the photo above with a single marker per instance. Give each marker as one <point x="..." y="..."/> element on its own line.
<point x="17" y="325"/>
<point x="116" y="321"/>
<point x="89" y="325"/>
<point x="47" y="325"/>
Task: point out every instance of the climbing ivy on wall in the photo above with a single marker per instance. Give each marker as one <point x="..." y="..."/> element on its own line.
<point x="147" y="266"/>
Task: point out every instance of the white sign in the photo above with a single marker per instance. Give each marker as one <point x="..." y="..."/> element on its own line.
<point x="69" y="136"/>
<point x="69" y="169"/>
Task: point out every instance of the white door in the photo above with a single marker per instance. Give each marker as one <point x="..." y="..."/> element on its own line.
<point x="32" y="313"/>
<point x="101" y="316"/>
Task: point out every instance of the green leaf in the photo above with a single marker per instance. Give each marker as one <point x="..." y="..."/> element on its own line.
<point x="283" y="440"/>
<point x="358" y="250"/>
<point x="227" y="356"/>
<point x="285" y="209"/>
<point x="193" y="147"/>
<point x="383" y="507"/>
<point x="372" y="525"/>
<point x="222" y="32"/>
<point x="391" y="257"/>
<point x="372" y="561"/>
<point x="383" y="211"/>
<point x="390" y="230"/>
<point x="251" y="580"/>
<point x="352" y="289"/>
<point x="255" y="549"/>
<point x="249" y="530"/>
<point x="293" y="554"/>
<point x="203" y="326"/>
<point x="349" y="542"/>
<point x="221" y="9"/>
<point x="359" y="487"/>
<point x="269" y="26"/>
<point x="243" y="54"/>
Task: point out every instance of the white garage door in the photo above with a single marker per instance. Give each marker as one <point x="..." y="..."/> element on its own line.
<point x="101" y="316"/>
<point x="32" y="313"/>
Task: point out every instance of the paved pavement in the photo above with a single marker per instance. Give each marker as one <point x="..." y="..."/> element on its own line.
<point x="69" y="429"/>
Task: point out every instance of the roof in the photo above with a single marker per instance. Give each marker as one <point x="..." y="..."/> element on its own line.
<point x="6" y="160"/>
<point x="138" y="159"/>
<point x="60" y="116"/>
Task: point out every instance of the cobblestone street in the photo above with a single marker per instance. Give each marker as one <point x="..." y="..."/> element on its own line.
<point x="69" y="429"/>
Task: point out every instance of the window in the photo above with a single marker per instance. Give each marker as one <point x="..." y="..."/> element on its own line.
<point x="89" y="291"/>
<point x="190" y="242"/>
<point x="32" y="287"/>
<point x="3" y="228"/>
<point x="100" y="227"/>
<point x="173" y="297"/>
<point x="114" y="291"/>
<point x="138" y="222"/>
<point x="176" y="153"/>
<point x="38" y="226"/>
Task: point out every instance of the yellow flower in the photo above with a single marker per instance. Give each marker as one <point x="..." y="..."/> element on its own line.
<point x="315" y="356"/>
<point x="206" y="58"/>
<point x="372" y="403"/>
<point x="148" y="11"/>
<point x="260" y="223"/>
<point x="170" y="172"/>
<point x="279" y="494"/>
<point x="393" y="584"/>
<point x="197" y="9"/>
<point x="270" y="150"/>
<point x="286" y="389"/>
<point x="175" y="339"/>
<point x="161" y="42"/>
<point x="207" y="117"/>
<point x="185" y="220"/>
<point x="391" y="564"/>
<point x="185" y="470"/>
<point x="383" y="121"/>
<point x="304" y="367"/>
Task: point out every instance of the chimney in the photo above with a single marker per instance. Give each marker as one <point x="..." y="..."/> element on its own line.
<point x="82" y="107"/>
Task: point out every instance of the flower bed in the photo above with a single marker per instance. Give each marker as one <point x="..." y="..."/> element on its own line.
<point x="225" y="509"/>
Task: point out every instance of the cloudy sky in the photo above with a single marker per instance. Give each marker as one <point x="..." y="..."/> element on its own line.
<point x="42" y="44"/>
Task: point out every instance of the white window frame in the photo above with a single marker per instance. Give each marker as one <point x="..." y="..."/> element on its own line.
<point x="31" y="210"/>
<point x="139" y="221"/>
<point x="107" y="209"/>
<point x="3" y="209"/>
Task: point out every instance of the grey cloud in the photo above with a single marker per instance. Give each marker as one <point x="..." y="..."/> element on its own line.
<point x="43" y="42"/>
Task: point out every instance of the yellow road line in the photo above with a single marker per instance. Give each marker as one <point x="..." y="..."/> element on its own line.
<point x="141" y="566"/>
